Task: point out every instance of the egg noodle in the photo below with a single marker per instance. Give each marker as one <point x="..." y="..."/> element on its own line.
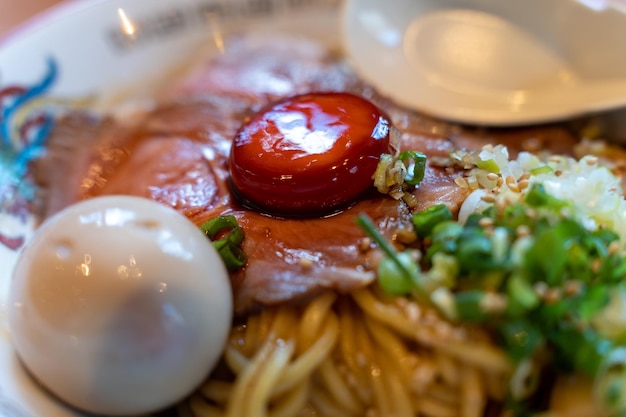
<point x="365" y="354"/>
<point x="372" y="354"/>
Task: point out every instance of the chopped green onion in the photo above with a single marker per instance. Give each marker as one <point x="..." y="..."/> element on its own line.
<point x="522" y="297"/>
<point x="233" y="257"/>
<point x="538" y="197"/>
<point x="418" y="160"/>
<point x="522" y="338"/>
<point x="426" y="220"/>
<point x="545" y="169"/>
<point x="489" y="165"/>
<point x="529" y="271"/>
<point x="403" y="270"/>
<point x="469" y="306"/>
<point x="228" y="246"/>
<point x="395" y="281"/>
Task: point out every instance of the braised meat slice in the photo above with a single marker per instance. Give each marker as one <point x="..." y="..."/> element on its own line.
<point x="178" y="155"/>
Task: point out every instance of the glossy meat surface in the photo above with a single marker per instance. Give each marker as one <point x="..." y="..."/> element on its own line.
<point x="178" y="155"/>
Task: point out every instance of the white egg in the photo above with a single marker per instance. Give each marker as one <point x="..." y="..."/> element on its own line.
<point x="119" y="306"/>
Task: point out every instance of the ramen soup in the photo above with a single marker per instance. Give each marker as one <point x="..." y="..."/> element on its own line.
<point x="382" y="263"/>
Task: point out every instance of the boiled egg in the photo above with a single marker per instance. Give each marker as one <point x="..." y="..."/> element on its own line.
<point x="119" y="306"/>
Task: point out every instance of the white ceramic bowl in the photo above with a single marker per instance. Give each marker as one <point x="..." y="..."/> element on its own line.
<point x="103" y="53"/>
<point x="492" y="62"/>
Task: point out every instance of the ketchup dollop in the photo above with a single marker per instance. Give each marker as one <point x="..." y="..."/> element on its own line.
<point x="308" y="155"/>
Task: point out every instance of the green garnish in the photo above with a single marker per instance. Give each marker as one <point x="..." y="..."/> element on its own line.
<point x="426" y="220"/>
<point x="488" y="165"/>
<point x="397" y="175"/>
<point x="418" y="161"/>
<point x="228" y="246"/>
<point x="533" y="274"/>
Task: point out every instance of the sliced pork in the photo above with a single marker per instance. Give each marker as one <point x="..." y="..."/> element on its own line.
<point x="178" y="155"/>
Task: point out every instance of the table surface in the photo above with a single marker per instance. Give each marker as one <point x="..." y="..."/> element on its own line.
<point x="13" y="12"/>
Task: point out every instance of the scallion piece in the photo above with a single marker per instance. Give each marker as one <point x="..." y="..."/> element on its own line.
<point x="426" y="220"/>
<point x="228" y="246"/>
<point x="398" y="269"/>
<point x="395" y="281"/>
<point x="545" y="169"/>
<point x="489" y="165"/>
<point x="418" y="161"/>
<point x="469" y="306"/>
<point x="538" y="197"/>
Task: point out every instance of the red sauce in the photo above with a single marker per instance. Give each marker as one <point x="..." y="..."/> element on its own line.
<point x="310" y="154"/>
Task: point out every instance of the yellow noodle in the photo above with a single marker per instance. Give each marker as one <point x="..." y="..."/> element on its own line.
<point x="391" y="316"/>
<point x="355" y="355"/>
<point x="338" y="388"/>
<point x="397" y="391"/>
<point x="449" y="368"/>
<point x="382" y="400"/>
<point x="303" y="366"/>
<point x="216" y="391"/>
<point x="429" y="407"/>
<point x="255" y="333"/>
<point x="236" y="360"/>
<point x="259" y="396"/>
<point x="496" y="385"/>
<point x="324" y="405"/>
<point x="483" y="356"/>
<point x="183" y="410"/>
<point x="444" y="394"/>
<point x="284" y="322"/>
<point x="395" y="350"/>
<point x="251" y="393"/>
<point x="245" y="381"/>
<point x="386" y="338"/>
<point x="472" y="395"/>
<point x="293" y="402"/>
<point x="313" y="318"/>
<point x="200" y="407"/>
<point x="352" y="355"/>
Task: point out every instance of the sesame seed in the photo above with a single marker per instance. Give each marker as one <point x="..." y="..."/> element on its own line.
<point x="531" y="213"/>
<point x="592" y="160"/>
<point x="515" y="188"/>
<point x="461" y="182"/>
<point x="492" y="176"/>
<point x="541" y="288"/>
<point x="596" y="264"/>
<point x="365" y="244"/>
<point x="510" y="180"/>
<point x="405" y="236"/>
<point x="522" y="231"/>
<point x="523" y="184"/>
<point x="614" y="247"/>
<point x="305" y="263"/>
<point x="524" y="176"/>
<point x="572" y="287"/>
<point x="552" y="295"/>
<point x="485" y="222"/>
<point x="532" y="144"/>
<point x="488" y="198"/>
<point x="493" y="303"/>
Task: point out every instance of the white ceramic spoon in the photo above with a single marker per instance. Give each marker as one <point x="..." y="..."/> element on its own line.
<point x="491" y="62"/>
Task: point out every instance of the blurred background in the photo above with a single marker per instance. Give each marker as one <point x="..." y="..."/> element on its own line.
<point x="12" y="12"/>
